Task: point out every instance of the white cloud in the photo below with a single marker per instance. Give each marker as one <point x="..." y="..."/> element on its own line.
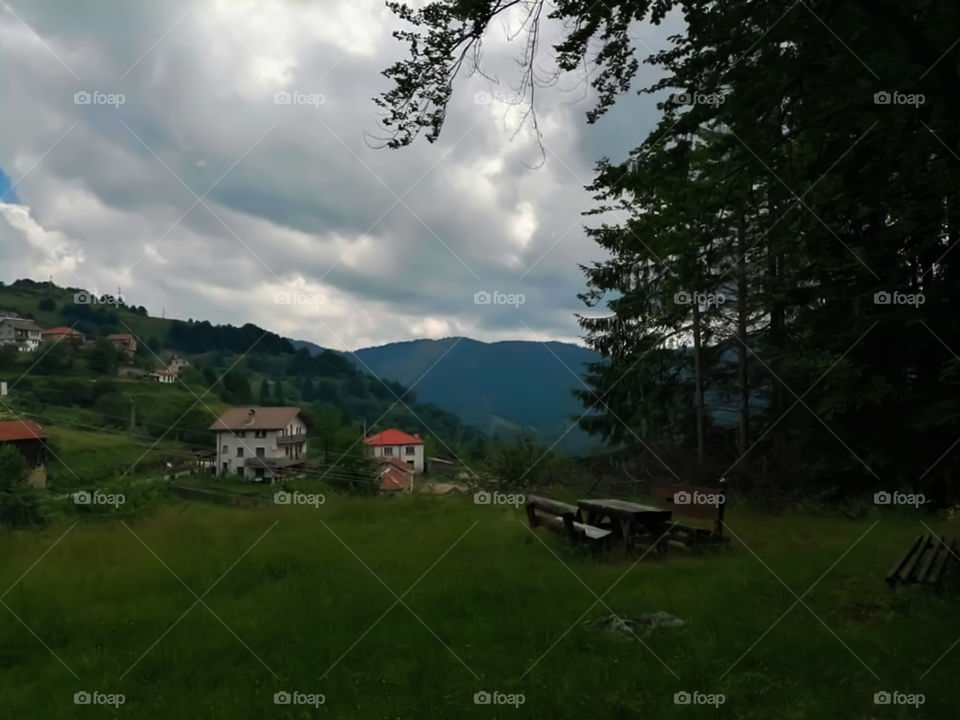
<point x="297" y="197"/>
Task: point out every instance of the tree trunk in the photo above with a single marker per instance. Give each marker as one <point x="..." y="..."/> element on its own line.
<point x="742" y="312"/>
<point x="698" y="378"/>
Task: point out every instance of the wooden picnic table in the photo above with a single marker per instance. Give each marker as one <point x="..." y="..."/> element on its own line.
<point x="626" y="519"/>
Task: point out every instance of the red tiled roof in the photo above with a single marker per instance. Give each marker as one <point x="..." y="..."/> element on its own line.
<point x="62" y="330"/>
<point x="393" y="437"/>
<point x="21" y="430"/>
<point x="395" y="475"/>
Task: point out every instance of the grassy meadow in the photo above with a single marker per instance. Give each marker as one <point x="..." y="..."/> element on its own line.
<point x="302" y="599"/>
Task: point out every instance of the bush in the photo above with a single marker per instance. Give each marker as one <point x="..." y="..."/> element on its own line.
<point x="19" y="507"/>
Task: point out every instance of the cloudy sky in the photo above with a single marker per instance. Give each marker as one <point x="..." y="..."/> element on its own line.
<point x="144" y="145"/>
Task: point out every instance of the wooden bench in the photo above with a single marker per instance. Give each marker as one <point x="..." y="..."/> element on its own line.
<point x="563" y="518"/>
<point x="924" y="562"/>
<point x="703" y="520"/>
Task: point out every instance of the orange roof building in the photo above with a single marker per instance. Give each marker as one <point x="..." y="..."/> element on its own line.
<point x="397" y="444"/>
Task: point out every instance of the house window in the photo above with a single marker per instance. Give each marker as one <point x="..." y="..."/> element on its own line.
<point x="240" y="452"/>
<point x="226" y="449"/>
<point x="388" y="451"/>
<point x="259" y="452"/>
<point x="260" y="433"/>
<point x="240" y="471"/>
<point x="241" y="433"/>
<point x="409" y="450"/>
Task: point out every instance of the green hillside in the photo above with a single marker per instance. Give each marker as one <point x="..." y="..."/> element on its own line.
<point x="91" y="388"/>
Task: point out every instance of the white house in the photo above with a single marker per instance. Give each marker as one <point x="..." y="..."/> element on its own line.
<point x="23" y="333"/>
<point x="258" y="443"/>
<point x="177" y="364"/>
<point x="163" y="376"/>
<point x="397" y="444"/>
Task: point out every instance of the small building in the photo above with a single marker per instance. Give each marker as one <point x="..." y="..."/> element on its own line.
<point x="397" y="444"/>
<point x="63" y="334"/>
<point x="395" y="475"/>
<point x="177" y="364"/>
<point x="124" y="342"/>
<point x="259" y="443"/>
<point x="23" y="333"/>
<point x="30" y="440"/>
<point x="163" y="376"/>
<point x="440" y="466"/>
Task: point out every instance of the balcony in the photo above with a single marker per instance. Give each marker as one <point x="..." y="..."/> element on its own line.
<point x="291" y="439"/>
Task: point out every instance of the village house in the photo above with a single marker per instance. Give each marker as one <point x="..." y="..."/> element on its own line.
<point x="397" y="444"/>
<point x="163" y="376"/>
<point x="124" y="342"/>
<point x="395" y="476"/>
<point x="176" y="364"/>
<point x="259" y="443"/>
<point x="23" y="333"/>
<point x="29" y="439"/>
<point x="62" y="334"/>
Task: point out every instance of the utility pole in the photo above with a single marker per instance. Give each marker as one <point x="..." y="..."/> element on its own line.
<point x="133" y="415"/>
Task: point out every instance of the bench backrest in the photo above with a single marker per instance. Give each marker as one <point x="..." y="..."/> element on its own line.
<point x="692" y="501"/>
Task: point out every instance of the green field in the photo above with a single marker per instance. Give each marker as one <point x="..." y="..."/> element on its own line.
<point x="304" y="599"/>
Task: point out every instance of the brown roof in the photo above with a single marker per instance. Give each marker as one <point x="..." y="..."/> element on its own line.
<point x="256" y="418"/>
<point x="21" y="430"/>
<point x="395" y="475"/>
<point x="120" y="336"/>
<point x="21" y="324"/>
<point x="62" y="330"/>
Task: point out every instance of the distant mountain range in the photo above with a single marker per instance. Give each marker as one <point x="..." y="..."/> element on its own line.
<point x="500" y="387"/>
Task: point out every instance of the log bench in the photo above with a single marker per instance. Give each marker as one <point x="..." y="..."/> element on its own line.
<point x="925" y="562"/>
<point x="563" y="518"/>
<point x="703" y="521"/>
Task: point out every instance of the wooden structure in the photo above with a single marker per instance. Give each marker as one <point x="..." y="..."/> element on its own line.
<point x="630" y="523"/>
<point x="563" y="518"/>
<point x="30" y="441"/>
<point x="701" y="508"/>
<point x="925" y="562"/>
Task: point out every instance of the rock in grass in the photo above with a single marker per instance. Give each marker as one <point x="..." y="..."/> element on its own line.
<point x="637" y="627"/>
